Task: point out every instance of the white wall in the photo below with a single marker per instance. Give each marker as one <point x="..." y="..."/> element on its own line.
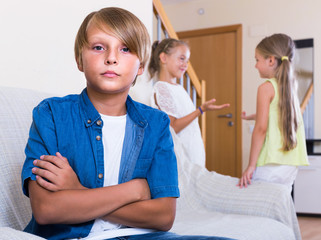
<point x="37" y="42"/>
<point x="299" y="19"/>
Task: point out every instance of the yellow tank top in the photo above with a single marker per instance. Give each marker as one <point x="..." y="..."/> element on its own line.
<point x="271" y="152"/>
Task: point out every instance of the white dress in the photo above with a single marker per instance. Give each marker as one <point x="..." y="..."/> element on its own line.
<point x="174" y="100"/>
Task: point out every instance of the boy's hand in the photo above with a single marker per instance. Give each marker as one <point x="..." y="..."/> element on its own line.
<point x="57" y="171"/>
<point x="141" y="186"/>
<point x="210" y="106"/>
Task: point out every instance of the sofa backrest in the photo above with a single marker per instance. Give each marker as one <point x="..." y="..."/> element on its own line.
<point x="16" y="107"/>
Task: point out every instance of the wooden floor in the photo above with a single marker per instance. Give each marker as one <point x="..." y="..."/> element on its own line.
<point x="310" y="227"/>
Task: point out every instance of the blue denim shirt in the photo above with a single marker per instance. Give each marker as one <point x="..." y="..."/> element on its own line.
<point x="72" y="126"/>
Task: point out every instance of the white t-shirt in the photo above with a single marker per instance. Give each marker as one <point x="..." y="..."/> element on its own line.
<point x="113" y="133"/>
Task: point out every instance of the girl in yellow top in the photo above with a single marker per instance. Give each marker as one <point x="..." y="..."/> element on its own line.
<point x="278" y="139"/>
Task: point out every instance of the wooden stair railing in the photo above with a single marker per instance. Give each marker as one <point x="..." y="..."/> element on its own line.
<point x="307" y="110"/>
<point x="307" y="98"/>
<point x="197" y="85"/>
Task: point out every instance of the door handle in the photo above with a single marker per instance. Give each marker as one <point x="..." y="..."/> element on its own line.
<point x="229" y="115"/>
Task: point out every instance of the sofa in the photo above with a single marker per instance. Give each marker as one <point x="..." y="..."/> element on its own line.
<point x="210" y="204"/>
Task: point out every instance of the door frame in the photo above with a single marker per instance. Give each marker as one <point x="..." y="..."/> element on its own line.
<point x="237" y="29"/>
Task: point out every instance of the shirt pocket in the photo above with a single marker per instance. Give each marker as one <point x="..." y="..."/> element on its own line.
<point x="141" y="168"/>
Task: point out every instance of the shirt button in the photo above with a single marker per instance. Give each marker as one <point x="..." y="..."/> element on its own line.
<point x="98" y="138"/>
<point x="98" y="122"/>
<point x="100" y="175"/>
<point x="88" y="121"/>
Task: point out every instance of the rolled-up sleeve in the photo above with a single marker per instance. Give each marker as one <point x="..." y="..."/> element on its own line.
<point x="162" y="176"/>
<point x="42" y="141"/>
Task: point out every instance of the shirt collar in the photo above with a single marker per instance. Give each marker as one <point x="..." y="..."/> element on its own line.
<point x="135" y="113"/>
<point x="91" y="115"/>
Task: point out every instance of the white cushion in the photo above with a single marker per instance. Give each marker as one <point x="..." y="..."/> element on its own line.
<point x="15" y="118"/>
<point x="7" y="233"/>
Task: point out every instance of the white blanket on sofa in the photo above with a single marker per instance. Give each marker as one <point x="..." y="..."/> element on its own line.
<point x="206" y="195"/>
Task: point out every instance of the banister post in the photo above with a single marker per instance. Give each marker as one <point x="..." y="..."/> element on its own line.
<point x="203" y="120"/>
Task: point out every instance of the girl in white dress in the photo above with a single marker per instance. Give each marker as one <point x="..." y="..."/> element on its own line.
<point x="168" y="63"/>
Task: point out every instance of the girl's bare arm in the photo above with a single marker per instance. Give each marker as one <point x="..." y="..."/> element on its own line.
<point x="248" y="117"/>
<point x="265" y="95"/>
<point x="178" y="124"/>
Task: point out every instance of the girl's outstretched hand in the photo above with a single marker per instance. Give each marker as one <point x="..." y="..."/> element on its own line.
<point x="246" y="177"/>
<point x="210" y="106"/>
<point x="54" y="173"/>
<point x="248" y="117"/>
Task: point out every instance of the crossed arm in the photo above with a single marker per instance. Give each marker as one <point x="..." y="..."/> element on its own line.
<point x="63" y="200"/>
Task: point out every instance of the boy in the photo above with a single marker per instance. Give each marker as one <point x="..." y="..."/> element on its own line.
<point x="107" y="167"/>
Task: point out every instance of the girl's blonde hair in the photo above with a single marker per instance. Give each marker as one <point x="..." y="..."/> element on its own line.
<point x="282" y="48"/>
<point x="165" y="46"/>
<point x="123" y="25"/>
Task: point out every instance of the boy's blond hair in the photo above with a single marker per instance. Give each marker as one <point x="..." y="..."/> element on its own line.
<point x="123" y="25"/>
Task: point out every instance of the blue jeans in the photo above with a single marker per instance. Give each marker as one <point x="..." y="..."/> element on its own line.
<point x="167" y="235"/>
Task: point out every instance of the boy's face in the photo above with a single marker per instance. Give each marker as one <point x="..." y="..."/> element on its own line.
<point x="108" y="64"/>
